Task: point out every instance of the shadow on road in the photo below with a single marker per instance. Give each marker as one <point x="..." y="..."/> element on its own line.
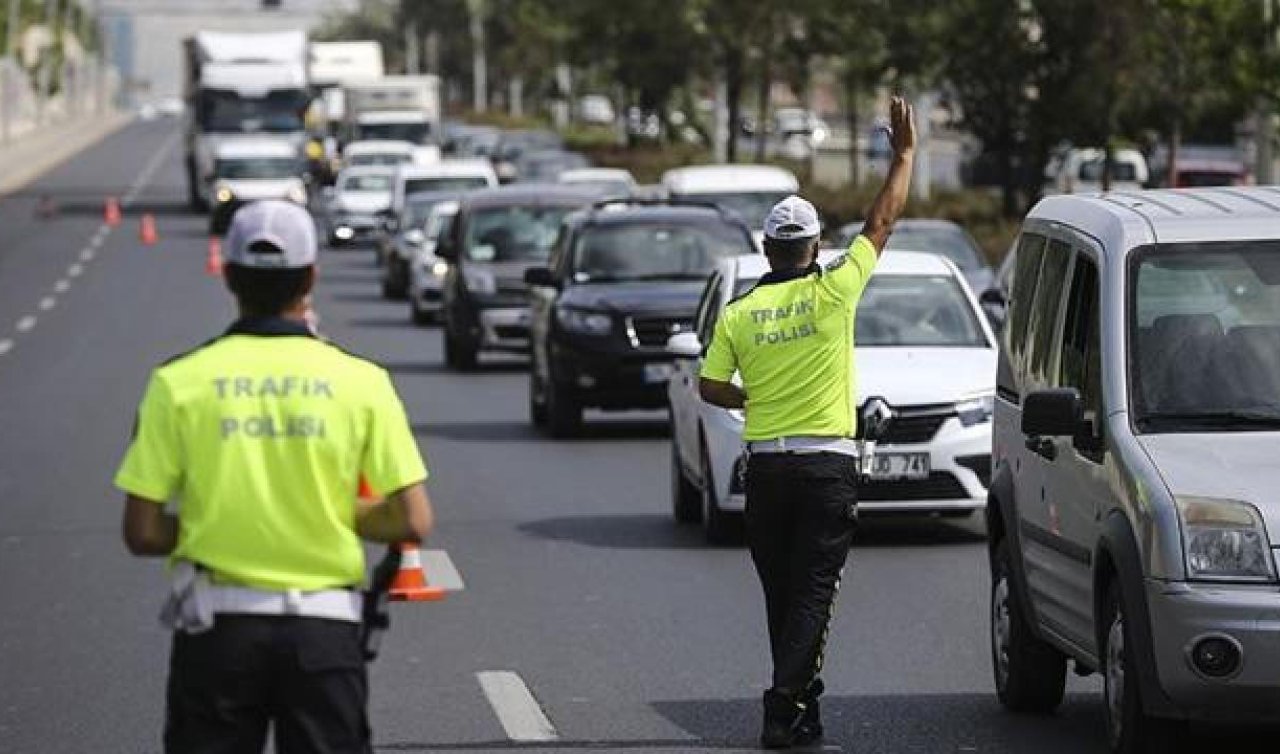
<point x="523" y="431"/>
<point x="636" y="532"/>
<point x="436" y="367"/>
<point x="367" y="297"/>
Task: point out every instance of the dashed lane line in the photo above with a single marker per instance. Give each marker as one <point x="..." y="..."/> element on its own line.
<point x="87" y="255"/>
<point x="519" y="713"/>
<point x="26" y="323"/>
<point x="62" y="286"/>
<point x="47" y="303"/>
<point x="5" y="346"/>
<point x="440" y="571"/>
<point x="75" y="270"/>
<point x="151" y="167"/>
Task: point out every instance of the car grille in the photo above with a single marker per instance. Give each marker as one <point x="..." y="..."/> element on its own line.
<point x="980" y="465"/>
<point x="940" y="485"/>
<point x="914" y="425"/>
<point x="656" y="331"/>
<point x="511" y="331"/>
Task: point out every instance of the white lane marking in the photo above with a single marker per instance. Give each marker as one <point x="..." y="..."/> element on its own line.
<point x="520" y="714"/>
<point x="62" y="286"/>
<point x="26" y="323"/>
<point x="47" y="303"/>
<point x="86" y="255"/>
<point x="152" y="166"/>
<point x="75" y="270"/>
<point x="440" y="571"/>
<point x="5" y="346"/>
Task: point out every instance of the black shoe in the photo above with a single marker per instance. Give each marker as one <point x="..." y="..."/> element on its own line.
<point x="808" y="731"/>
<point x="782" y="717"/>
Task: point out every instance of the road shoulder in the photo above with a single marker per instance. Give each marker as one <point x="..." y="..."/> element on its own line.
<point x="33" y="155"/>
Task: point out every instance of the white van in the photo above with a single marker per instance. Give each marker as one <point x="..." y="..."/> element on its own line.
<point x="1079" y="171"/>
<point x="749" y="190"/>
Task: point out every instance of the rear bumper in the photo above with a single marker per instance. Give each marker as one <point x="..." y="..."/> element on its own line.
<point x="1183" y="613"/>
<point x="613" y="380"/>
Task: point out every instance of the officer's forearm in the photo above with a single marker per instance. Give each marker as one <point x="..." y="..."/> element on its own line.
<point x="891" y="200"/>
<point x="148" y="530"/>
<point x="722" y="394"/>
<point x="405" y="516"/>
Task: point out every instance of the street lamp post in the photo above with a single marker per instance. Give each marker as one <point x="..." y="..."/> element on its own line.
<point x="479" y="66"/>
<point x="6" y="85"/>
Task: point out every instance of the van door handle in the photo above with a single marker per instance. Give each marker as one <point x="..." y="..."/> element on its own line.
<point x="1044" y="447"/>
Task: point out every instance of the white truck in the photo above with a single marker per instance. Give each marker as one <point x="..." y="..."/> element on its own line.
<point x="335" y="65"/>
<point x="241" y="85"/>
<point x="404" y="108"/>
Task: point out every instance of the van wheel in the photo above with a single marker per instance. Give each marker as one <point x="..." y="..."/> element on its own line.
<point x="686" y="504"/>
<point x="1030" y="675"/>
<point x="720" y="526"/>
<point x="1129" y="729"/>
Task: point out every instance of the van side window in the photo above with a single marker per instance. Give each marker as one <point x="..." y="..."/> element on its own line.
<point x="1044" y="313"/>
<point x="1026" y="273"/>
<point x="1081" y="360"/>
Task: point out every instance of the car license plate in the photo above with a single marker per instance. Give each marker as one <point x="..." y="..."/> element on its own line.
<point x="655" y="373"/>
<point x="909" y="466"/>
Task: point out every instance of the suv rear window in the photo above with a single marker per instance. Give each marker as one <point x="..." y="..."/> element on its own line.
<point x="654" y="252"/>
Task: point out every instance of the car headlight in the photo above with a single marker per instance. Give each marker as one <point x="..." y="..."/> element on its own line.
<point x="1224" y="540"/>
<point x="480" y="281"/>
<point x="977" y="409"/>
<point x="440" y="269"/>
<point x="584" y="322"/>
<point x="297" y="194"/>
<point x="224" y="195"/>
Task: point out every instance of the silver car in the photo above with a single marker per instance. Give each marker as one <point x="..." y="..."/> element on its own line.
<point x="1133" y="497"/>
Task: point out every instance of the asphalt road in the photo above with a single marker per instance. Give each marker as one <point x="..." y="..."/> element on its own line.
<point x="630" y="633"/>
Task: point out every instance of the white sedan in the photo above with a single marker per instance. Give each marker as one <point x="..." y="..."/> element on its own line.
<point x="924" y="348"/>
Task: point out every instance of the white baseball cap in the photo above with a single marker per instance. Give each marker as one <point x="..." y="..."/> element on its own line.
<point x="792" y="218"/>
<point x="272" y="234"/>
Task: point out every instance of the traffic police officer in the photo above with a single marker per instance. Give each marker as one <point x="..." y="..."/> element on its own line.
<point x="259" y="439"/>
<point x="791" y="340"/>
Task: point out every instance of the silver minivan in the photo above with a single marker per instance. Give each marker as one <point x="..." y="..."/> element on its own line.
<point x="1135" y="495"/>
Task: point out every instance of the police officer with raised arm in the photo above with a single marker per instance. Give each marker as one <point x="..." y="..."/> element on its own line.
<point x="790" y="339"/>
<point x="259" y="439"/>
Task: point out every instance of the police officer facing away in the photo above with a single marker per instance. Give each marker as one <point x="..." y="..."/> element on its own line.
<point x="791" y="341"/>
<point x="260" y="437"/>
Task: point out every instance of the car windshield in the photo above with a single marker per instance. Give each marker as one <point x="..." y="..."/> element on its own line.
<point x="949" y="241"/>
<point x="751" y="206"/>
<point x="416" y="133"/>
<point x="655" y="252"/>
<point x="1120" y="171"/>
<point x="367" y="183"/>
<point x="501" y="234"/>
<point x="380" y="158"/>
<point x="229" y="112"/>
<point x="257" y="168"/>
<point x="416" y="211"/>
<point x="444" y="183"/>
<point x="1205" y="337"/>
<point x="439" y="222"/>
<point x="917" y="310"/>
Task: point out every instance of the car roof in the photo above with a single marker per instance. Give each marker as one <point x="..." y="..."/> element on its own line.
<point x="446" y="168"/>
<point x="729" y="178"/>
<point x="386" y="170"/>
<point x="754" y="266"/>
<point x="243" y="148"/>
<point x="379" y="146"/>
<point x="907" y="222"/>
<point x="532" y="194"/>
<point x="622" y="212"/>
<point x="586" y="175"/>
<point x="1123" y="220"/>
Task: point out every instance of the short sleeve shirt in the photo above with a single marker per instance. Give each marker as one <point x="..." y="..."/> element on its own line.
<point x="791" y="340"/>
<point x="261" y="438"/>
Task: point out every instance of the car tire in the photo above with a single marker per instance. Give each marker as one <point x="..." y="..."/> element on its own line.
<point x="1030" y="674"/>
<point x="537" y="407"/>
<point x="419" y="316"/>
<point x="564" y="413"/>
<point x="718" y="525"/>
<point x="458" y="355"/>
<point x="686" y="502"/>
<point x="1130" y="730"/>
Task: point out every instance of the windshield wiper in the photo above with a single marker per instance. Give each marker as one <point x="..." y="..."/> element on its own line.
<point x="1253" y="418"/>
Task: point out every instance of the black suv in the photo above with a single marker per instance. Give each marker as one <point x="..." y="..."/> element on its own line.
<point x="497" y="235"/>
<point x="622" y="279"/>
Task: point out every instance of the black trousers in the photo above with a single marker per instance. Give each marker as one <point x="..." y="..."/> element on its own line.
<point x="304" y="676"/>
<point x="801" y="515"/>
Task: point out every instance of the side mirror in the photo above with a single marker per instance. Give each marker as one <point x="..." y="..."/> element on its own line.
<point x="1053" y="413"/>
<point x="540" y="277"/>
<point x="685" y="345"/>
<point x="993" y="297"/>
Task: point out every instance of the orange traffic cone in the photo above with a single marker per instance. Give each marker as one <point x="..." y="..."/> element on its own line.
<point x="111" y="212"/>
<point x="147" y="230"/>
<point x="213" y="260"/>
<point x="410" y="584"/>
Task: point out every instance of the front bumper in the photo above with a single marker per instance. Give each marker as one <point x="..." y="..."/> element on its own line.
<point x="1182" y="613"/>
<point x="426" y="290"/>
<point x="614" y="379"/>
<point x="352" y="228"/>
<point x="504" y="329"/>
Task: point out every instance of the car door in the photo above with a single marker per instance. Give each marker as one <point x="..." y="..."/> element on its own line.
<point x="1075" y="482"/>
<point x="1047" y="568"/>
<point x="686" y="402"/>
